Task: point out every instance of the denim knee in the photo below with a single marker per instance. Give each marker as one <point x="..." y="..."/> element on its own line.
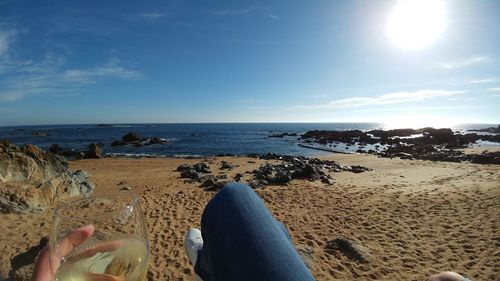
<point x="236" y="188"/>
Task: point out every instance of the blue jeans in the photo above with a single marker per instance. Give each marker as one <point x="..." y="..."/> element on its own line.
<point x="243" y="241"/>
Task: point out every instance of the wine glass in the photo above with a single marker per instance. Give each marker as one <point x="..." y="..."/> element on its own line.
<point x="116" y="250"/>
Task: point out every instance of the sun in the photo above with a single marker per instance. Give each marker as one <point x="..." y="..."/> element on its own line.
<point x="416" y="24"/>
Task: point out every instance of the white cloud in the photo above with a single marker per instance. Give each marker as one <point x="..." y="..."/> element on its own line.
<point x="10" y="96"/>
<point x="493" y="89"/>
<point x="6" y="39"/>
<point x="386" y="99"/>
<point x="242" y="11"/>
<point x="495" y="96"/>
<point x="230" y="12"/>
<point x="110" y="69"/>
<point x="485" y="80"/>
<point x="151" y="16"/>
<point x="459" y="63"/>
<point x="420" y="108"/>
<point x="48" y="77"/>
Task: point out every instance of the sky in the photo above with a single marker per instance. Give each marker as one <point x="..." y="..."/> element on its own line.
<point x="82" y="62"/>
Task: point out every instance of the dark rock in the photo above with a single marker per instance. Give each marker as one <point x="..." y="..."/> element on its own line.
<point x="131" y="137"/>
<point x="206" y="177"/>
<point x="226" y="165"/>
<point x="118" y="143"/>
<point x="156" y="140"/>
<point x="190" y="174"/>
<point x="238" y="177"/>
<point x="280" y="178"/>
<point x="41" y="134"/>
<point x="224" y="155"/>
<point x="125" y="188"/>
<point x="221" y="177"/>
<point x="184" y="167"/>
<point x="281" y="135"/>
<point x="94" y="152"/>
<point x="349" y="248"/>
<point x="487" y="158"/>
<point x="202" y="168"/>
<point x="357" y="169"/>
<point x="326" y="180"/>
<point x="55" y="149"/>
<point x="209" y="182"/>
<point x="216" y="186"/>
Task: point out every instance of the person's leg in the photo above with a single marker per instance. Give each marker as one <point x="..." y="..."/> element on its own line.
<point x="242" y="241"/>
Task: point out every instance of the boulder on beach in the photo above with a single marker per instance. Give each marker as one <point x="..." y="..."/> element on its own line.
<point x="94" y="152"/>
<point x="32" y="179"/>
<point x="487" y="158"/>
<point x="350" y="248"/>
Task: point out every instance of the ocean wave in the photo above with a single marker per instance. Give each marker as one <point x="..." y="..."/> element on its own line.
<point x="187" y="155"/>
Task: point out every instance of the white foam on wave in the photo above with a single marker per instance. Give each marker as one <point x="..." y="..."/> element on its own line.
<point x="187" y="155"/>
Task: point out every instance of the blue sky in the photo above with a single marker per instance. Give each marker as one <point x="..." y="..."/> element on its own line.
<point x="249" y="61"/>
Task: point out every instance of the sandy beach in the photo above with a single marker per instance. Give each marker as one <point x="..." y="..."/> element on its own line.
<point x="415" y="217"/>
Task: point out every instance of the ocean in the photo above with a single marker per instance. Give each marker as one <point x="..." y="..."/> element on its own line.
<point x="185" y="139"/>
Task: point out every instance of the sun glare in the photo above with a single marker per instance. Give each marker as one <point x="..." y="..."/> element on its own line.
<point x="416" y="24"/>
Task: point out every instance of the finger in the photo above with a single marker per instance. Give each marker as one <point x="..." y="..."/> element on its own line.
<point x="107" y="246"/>
<point x="75" y="238"/>
<point x="41" y="271"/>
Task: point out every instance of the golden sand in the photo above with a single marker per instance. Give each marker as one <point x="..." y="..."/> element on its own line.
<point x="415" y="217"/>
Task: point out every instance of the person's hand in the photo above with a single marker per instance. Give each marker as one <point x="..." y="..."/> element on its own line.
<point x="42" y="270"/>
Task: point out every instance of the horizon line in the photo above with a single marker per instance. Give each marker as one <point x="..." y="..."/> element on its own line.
<point x="195" y="123"/>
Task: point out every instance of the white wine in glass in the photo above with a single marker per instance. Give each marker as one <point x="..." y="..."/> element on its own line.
<point x="116" y="250"/>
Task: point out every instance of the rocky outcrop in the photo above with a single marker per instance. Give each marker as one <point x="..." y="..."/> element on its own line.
<point x="424" y="144"/>
<point x="131" y="137"/>
<point x="422" y="136"/>
<point x="57" y="149"/>
<point x="32" y="179"/>
<point x="289" y="168"/>
<point x="282" y="135"/>
<point x="487" y="158"/>
<point x="135" y="140"/>
<point x="95" y="151"/>
<point x="297" y="167"/>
